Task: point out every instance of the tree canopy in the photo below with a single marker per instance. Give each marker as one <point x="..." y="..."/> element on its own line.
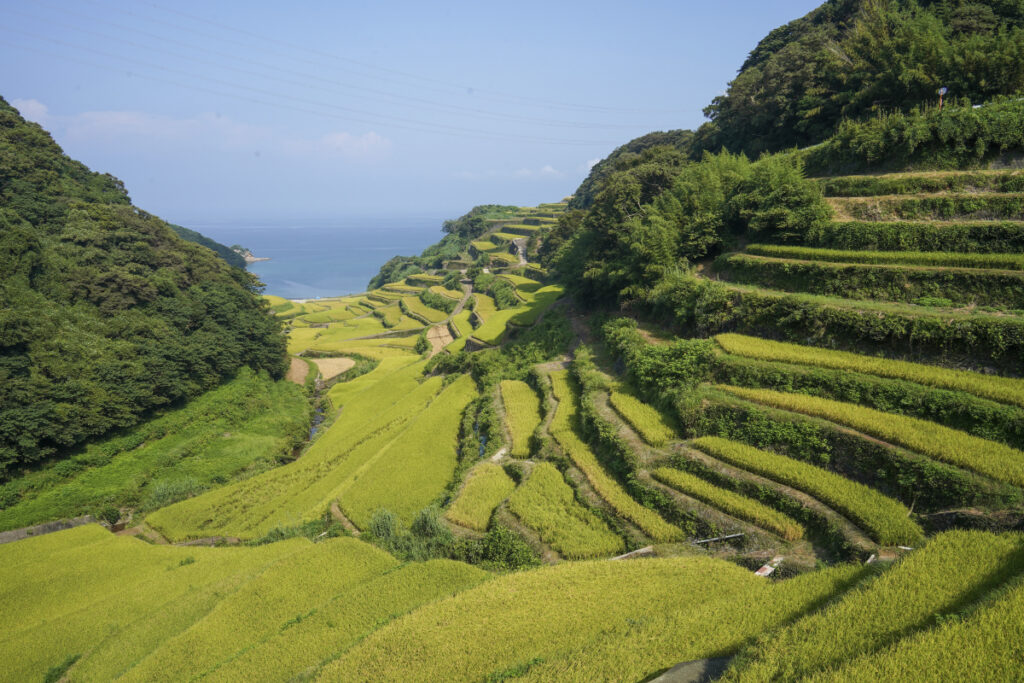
<point x="107" y="313"/>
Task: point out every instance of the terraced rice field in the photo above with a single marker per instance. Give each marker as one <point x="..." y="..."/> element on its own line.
<point x="731" y="503"/>
<point x="485" y="488"/>
<point x="928" y="438"/>
<point x="581" y="455"/>
<point x="522" y="415"/>
<point x="637" y="619"/>
<point x="886" y="520"/>
<point x="546" y="504"/>
<point x="646" y="420"/>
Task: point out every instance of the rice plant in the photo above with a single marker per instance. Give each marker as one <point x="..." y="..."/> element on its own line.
<point x="886" y="520"/>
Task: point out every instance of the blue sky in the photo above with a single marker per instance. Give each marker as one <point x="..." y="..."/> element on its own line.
<point x="317" y="109"/>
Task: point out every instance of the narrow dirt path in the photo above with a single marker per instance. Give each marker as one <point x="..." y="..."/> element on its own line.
<point x="337" y="514"/>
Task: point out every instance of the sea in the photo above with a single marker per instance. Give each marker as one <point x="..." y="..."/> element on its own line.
<point x="312" y="258"/>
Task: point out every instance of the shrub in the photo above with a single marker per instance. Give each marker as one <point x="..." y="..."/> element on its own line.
<point x="505" y="549"/>
<point x="383" y="524"/>
<point x="778" y="202"/>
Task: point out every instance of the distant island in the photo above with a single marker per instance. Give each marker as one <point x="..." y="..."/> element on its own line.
<point x="247" y="255"/>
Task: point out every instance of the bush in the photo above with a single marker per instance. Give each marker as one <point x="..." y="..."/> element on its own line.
<point x="778" y="202"/>
<point x="383" y="524"/>
<point x="109" y="514"/>
<point x="504" y="548"/>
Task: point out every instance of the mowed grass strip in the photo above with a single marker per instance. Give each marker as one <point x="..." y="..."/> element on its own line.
<point x="1003" y="389"/>
<point x="993" y="459"/>
<point x="906" y="258"/>
<point x="546" y="504"/>
<point x="886" y="520"/>
<point x="586" y="621"/>
<point x="561" y="429"/>
<point x="951" y="571"/>
<point x="486" y="486"/>
<point x="646" y="420"/>
<point x="522" y="415"/>
<point x="731" y="503"/>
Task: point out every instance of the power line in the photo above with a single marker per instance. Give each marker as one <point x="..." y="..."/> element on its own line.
<point x="292" y="47"/>
<point x="453" y="131"/>
<point x="446" y="108"/>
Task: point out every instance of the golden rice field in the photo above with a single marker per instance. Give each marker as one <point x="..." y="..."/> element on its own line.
<point x="954" y="568"/>
<point x="886" y="520"/>
<point x="1004" y="389"/>
<point x="414" y="307"/>
<point x="546" y="504"/>
<point x="734" y="504"/>
<point x="486" y="486"/>
<point x="561" y="429"/>
<point x="375" y="409"/>
<point x="586" y="621"/>
<point x="952" y="446"/>
<point x="411" y="470"/>
<point x="522" y="415"/>
<point x="647" y="421"/>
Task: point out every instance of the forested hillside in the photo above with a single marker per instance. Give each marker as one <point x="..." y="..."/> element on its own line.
<point x="225" y="252"/>
<point x="749" y="407"/>
<point x="107" y="313"/>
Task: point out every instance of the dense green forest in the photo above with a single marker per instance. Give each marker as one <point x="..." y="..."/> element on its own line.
<point x="225" y="252"/>
<point x="107" y="313"/>
<point x="849" y="88"/>
<point x="846" y="64"/>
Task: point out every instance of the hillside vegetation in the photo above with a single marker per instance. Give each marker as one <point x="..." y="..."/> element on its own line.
<point x="762" y="410"/>
<point x="107" y="313"/>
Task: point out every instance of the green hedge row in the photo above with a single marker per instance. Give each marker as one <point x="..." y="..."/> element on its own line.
<point x="906" y="183"/>
<point x="959" y="410"/>
<point x="916" y="480"/>
<point x="909" y="332"/>
<point x="957" y="136"/>
<point x="941" y="207"/>
<point x="868" y="281"/>
<point x="979" y="237"/>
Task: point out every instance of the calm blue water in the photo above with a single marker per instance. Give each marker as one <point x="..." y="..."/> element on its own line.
<point x="311" y="258"/>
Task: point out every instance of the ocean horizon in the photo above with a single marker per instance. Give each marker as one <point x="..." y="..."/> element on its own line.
<point x="320" y="257"/>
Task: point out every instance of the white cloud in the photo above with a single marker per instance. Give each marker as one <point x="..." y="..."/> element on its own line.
<point x="592" y="163"/>
<point x="204" y="131"/>
<point x="546" y="171"/>
<point x="367" y="144"/>
<point x="33" y="110"/>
